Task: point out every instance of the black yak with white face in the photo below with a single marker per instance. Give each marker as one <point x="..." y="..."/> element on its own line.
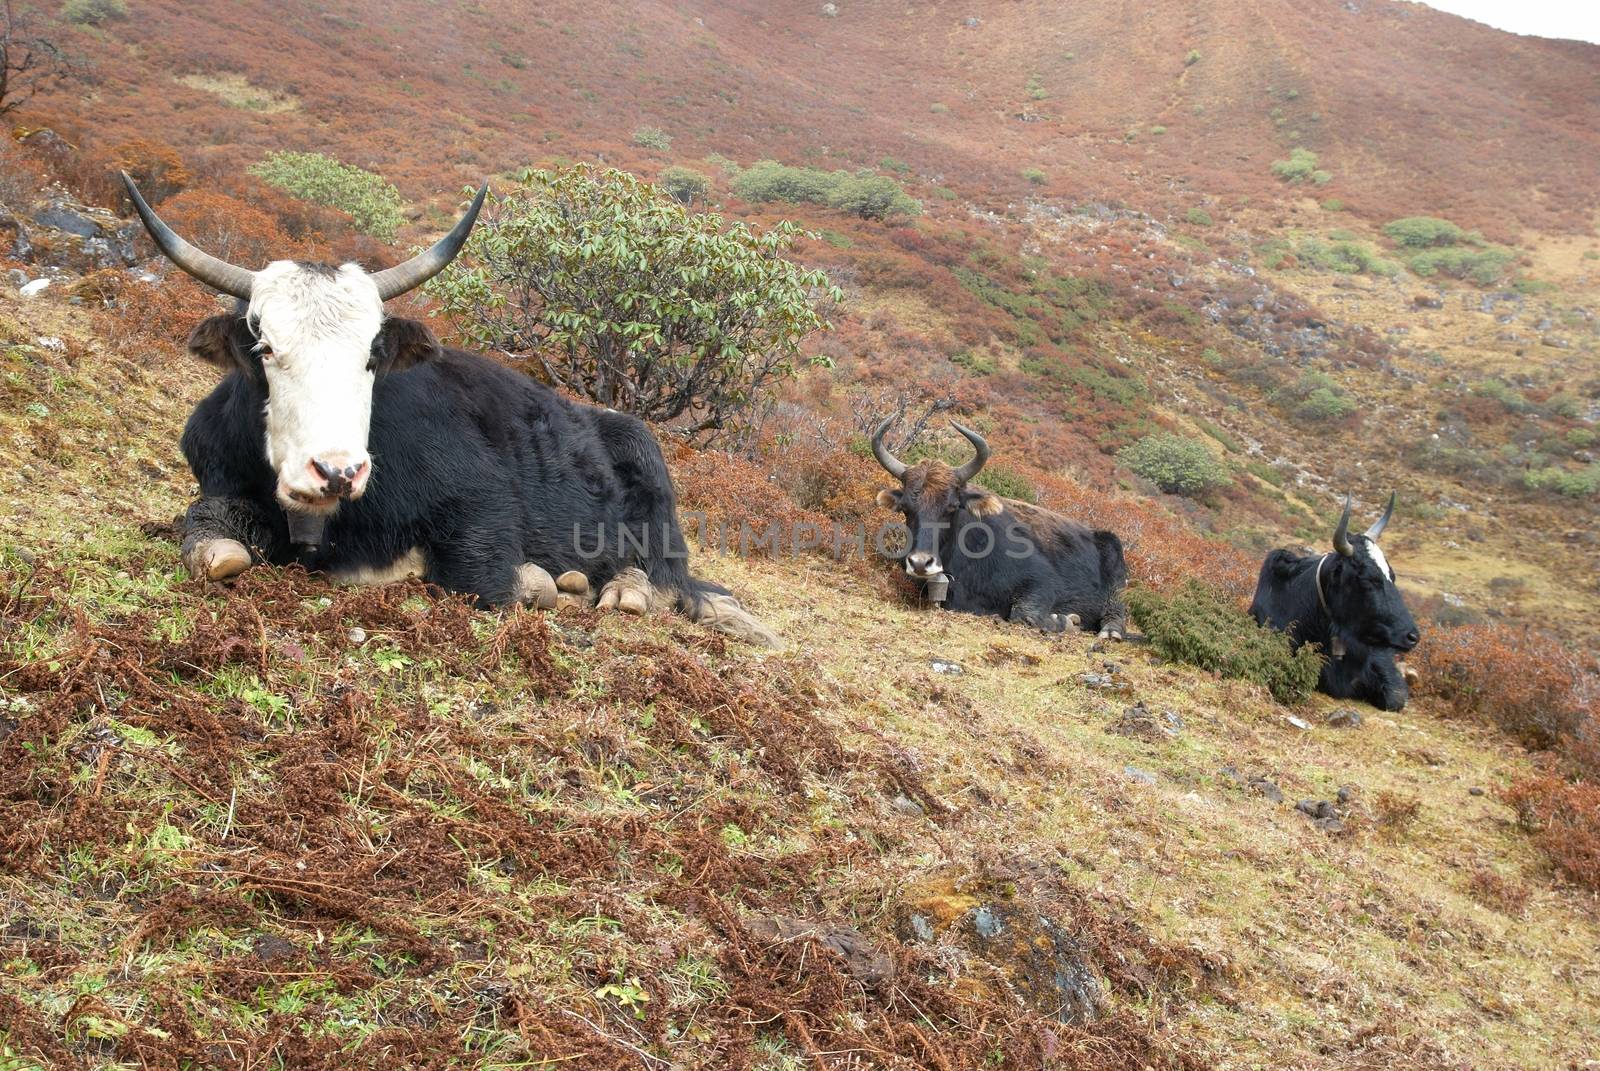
<point x="1346" y="602"/>
<point x="354" y="443"/>
<point x="999" y="556"/>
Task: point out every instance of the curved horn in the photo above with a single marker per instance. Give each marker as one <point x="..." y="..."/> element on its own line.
<point x="891" y="464"/>
<point x="392" y="282"/>
<point x="1341" y="534"/>
<point x="228" y="278"/>
<point x="1382" y="522"/>
<point x="975" y="466"/>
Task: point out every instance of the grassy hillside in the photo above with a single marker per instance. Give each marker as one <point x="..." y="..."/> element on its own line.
<point x="283" y="823"/>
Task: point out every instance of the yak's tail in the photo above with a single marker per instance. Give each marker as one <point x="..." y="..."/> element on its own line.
<point x="715" y="607"/>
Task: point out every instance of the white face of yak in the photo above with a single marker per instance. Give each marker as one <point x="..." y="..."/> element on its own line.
<point x="316" y="326"/>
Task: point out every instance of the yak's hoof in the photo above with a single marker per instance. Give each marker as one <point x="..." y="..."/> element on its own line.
<point x="1111" y="633"/>
<point x="629" y="591"/>
<point x="535" y="587"/>
<point x="722" y="613"/>
<point x="572" y="589"/>
<point x="217" y="559"/>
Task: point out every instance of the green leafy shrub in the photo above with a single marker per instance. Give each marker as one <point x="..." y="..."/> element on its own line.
<point x="1035" y="88"/>
<point x="1157" y="131"/>
<point x="1202" y="625"/>
<point x="1508" y="396"/>
<point x="93" y="12"/>
<point x="1482" y="266"/>
<point x="939" y="108"/>
<point x="1333" y="204"/>
<point x="1419" y="232"/>
<point x="872" y="197"/>
<point x="1314" y="399"/>
<point x="1584" y="483"/>
<point x="1346" y="257"/>
<point x="1199" y="217"/>
<point x="868" y="196"/>
<point x="1007" y="484"/>
<point x="1301" y="166"/>
<point x="768" y="180"/>
<point x="1034" y="175"/>
<point x="616" y="293"/>
<point x="369" y="199"/>
<point x="1175" y="463"/>
<point x="1192" y="58"/>
<point x="684" y="184"/>
<point x="652" y="137"/>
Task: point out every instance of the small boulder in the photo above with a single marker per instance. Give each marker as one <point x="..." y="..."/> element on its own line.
<point x="1345" y="718"/>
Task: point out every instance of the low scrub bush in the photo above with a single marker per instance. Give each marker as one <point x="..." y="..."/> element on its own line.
<point x="1484" y="266"/>
<point x="1199" y="217"/>
<point x="1345" y="257"/>
<point x="685" y="184"/>
<point x="1419" y="232"/>
<point x="1528" y="686"/>
<point x="1314" y="399"/>
<point x="652" y="137"/>
<point x="1175" y="463"/>
<point x="1580" y="483"/>
<point x="1301" y="166"/>
<point x="872" y="197"/>
<point x="93" y="12"/>
<point x="868" y="196"/>
<point x="368" y="198"/>
<point x="1007" y="483"/>
<point x="1202" y="625"/>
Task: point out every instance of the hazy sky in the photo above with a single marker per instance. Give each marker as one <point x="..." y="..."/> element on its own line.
<point x="1578" y="19"/>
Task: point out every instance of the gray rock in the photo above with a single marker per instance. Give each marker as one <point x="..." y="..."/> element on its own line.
<point x="949" y="669"/>
<point x="1262" y="787"/>
<point x="1345" y="718"/>
<point x="907" y="806"/>
<point x="1298" y="723"/>
<point x="1144" y="777"/>
<point x="17" y="277"/>
<point x="62" y="218"/>
<point x="1474" y="791"/>
<point x="357" y="636"/>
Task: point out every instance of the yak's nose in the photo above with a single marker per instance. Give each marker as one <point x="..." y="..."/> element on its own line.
<point x="1412" y="639"/>
<point x="341" y="476"/>
<point x="921" y="562"/>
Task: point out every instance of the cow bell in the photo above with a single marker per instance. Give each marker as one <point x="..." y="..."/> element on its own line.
<point x="937" y="587"/>
<point x="305" y="530"/>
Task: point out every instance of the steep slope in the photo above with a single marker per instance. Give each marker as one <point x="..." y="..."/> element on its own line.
<point x="286" y="822"/>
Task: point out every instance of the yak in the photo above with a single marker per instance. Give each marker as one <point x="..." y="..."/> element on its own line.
<point x="354" y="443"/>
<point x="978" y="553"/>
<point x="1346" y="602"/>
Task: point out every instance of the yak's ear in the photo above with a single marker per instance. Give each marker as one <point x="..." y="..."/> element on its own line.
<point x="889" y="498"/>
<point x="214" y="340"/>
<point x="401" y="344"/>
<point x="981" y="503"/>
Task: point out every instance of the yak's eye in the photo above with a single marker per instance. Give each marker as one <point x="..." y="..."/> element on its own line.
<point x="265" y="351"/>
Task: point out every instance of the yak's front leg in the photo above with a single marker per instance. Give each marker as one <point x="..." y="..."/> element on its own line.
<point x="631" y="592"/>
<point x="537" y="588"/>
<point x="1039" y="613"/>
<point x="225" y="536"/>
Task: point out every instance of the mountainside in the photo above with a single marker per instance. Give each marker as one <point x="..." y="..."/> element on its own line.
<point x="1411" y="110"/>
<point x="1328" y="248"/>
